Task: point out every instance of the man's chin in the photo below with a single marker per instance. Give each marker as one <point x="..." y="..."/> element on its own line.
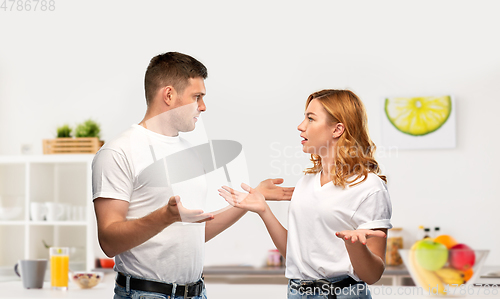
<point x="186" y="130"/>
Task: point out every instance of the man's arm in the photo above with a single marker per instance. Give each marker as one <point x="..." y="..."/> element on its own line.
<point x="117" y="234"/>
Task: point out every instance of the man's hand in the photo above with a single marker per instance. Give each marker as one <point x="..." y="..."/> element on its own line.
<point x="271" y="191"/>
<point x="177" y="212"/>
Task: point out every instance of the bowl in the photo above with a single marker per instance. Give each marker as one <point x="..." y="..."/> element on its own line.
<point x="107" y="263"/>
<point x="10" y="213"/>
<point x="86" y="280"/>
<point x="443" y="272"/>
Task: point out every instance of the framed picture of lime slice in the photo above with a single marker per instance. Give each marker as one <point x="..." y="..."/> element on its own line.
<point x="422" y="122"/>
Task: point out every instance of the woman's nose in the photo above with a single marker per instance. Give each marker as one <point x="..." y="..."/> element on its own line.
<point x="301" y="126"/>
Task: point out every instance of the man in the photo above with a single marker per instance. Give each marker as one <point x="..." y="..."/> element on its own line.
<point x="157" y="241"/>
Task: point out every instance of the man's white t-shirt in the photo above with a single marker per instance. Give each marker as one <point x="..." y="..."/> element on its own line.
<point x="317" y="212"/>
<point x="134" y="168"/>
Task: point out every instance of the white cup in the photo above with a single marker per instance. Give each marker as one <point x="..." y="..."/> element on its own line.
<point x="55" y="211"/>
<point x="67" y="212"/>
<point x="38" y="211"/>
<point x="82" y="213"/>
<point x="74" y="213"/>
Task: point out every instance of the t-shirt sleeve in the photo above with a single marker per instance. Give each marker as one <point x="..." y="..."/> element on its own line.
<point x="111" y="176"/>
<point x="374" y="212"/>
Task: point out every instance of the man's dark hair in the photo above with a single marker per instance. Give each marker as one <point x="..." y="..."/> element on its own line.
<point x="174" y="69"/>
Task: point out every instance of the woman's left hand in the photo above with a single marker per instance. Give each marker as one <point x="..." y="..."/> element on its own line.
<point x="359" y="235"/>
<point x="271" y="191"/>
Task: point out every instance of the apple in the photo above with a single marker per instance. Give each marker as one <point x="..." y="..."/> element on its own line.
<point x="462" y="257"/>
<point x="431" y="255"/>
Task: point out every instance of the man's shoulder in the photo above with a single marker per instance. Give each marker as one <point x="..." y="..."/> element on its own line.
<point x="125" y="139"/>
<point x="121" y="144"/>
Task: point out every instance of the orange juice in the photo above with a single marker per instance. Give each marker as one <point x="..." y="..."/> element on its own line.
<point x="59" y="268"/>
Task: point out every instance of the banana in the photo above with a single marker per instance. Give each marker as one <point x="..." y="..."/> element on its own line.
<point x="418" y="275"/>
<point x="425" y="277"/>
<point x="451" y="276"/>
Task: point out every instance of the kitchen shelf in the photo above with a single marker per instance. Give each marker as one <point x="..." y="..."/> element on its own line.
<point x="63" y="179"/>
<point x="7" y="222"/>
<point x="62" y="223"/>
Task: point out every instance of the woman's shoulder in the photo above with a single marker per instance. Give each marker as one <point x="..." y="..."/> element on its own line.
<point x="372" y="182"/>
<point x="373" y="178"/>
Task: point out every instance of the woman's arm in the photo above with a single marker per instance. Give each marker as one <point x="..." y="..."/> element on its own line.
<point x="254" y="201"/>
<point x="366" y="249"/>
<point x="268" y="188"/>
<point x="277" y="232"/>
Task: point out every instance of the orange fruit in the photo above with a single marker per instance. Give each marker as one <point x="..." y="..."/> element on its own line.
<point x="446" y="240"/>
<point x="468" y="274"/>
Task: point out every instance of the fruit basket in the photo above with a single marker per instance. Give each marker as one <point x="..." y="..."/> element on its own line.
<point x="441" y="271"/>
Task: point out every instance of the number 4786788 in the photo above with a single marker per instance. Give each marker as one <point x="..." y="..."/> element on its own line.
<point x="28" y="5"/>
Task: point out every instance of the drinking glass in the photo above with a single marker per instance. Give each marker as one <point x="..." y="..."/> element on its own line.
<point x="59" y="267"/>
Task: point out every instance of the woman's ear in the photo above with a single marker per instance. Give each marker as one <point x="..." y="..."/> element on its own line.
<point x="338" y="130"/>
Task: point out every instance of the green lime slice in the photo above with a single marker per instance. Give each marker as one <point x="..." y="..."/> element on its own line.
<point x="418" y="116"/>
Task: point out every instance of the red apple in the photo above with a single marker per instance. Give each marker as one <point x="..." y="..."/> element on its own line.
<point x="462" y="257"/>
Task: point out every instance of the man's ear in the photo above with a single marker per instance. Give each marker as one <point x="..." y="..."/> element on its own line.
<point x="167" y="95"/>
<point x="338" y="130"/>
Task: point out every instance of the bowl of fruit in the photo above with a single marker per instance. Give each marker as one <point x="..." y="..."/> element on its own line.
<point x="86" y="280"/>
<point x="442" y="266"/>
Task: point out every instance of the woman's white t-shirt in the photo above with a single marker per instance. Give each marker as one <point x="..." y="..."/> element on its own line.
<point x="317" y="212"/>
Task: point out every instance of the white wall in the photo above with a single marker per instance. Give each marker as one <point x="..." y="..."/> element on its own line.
<point x="87" y="59"/>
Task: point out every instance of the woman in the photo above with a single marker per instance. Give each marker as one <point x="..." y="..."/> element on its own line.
<point x="342" y="195"/>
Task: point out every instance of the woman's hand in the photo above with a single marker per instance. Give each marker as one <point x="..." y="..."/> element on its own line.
<point x="359" y="235"/>
<point x="271" y="191"/>
<point x="252" y="201"/>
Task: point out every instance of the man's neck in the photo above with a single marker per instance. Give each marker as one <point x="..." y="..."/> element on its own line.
<point x="154" y="124"/>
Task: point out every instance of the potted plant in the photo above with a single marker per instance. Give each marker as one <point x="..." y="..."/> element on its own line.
<point x="88" y="128"/>
<point x="64" y="131"/>
<point x="86" y="139"/>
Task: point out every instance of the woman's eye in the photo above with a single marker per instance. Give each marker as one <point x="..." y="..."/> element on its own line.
<point x="310" y="119"/>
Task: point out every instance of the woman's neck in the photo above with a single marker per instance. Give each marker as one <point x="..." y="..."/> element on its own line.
<point x="327" y="164"/>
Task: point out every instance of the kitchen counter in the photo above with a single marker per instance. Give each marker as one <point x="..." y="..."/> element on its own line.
<point x="275" y="275"/>
<point x="14" y="289"/>
<point x="247" y="283"/>
<point x="245" y="275"/>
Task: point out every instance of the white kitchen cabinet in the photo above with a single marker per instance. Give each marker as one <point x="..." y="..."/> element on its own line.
<point x="62" y="179"/>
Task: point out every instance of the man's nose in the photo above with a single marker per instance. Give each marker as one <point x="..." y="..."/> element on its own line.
<point x="201" y="106"/>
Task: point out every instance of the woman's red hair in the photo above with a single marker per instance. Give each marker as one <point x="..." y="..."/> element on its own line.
<point x="355" y="150"/>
